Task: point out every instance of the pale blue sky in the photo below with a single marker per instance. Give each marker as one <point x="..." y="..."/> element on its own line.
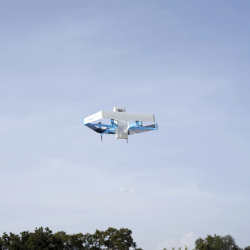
<point x="186" y="61"/>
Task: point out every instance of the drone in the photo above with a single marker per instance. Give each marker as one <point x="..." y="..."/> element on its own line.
<point x="120" y="123"/>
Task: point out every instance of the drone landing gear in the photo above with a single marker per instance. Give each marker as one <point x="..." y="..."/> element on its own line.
<point x="101" y="137"/>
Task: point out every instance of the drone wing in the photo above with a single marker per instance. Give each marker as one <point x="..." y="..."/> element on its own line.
<point x="124" y="116"/>
<point x="101" y="128"/>
<point x="93" y="118"/>
<point x="119" y="116"/>
<point x="140" y="129"/>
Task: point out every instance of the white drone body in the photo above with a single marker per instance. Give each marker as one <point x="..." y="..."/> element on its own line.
<point x="122" y="124"/>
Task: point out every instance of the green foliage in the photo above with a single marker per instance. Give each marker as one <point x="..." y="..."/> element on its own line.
<point x="44" y="239"/>
<point x="216" y="242"/>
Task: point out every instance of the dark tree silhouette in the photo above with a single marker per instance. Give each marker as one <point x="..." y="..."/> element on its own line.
<point x="44" y="239"/>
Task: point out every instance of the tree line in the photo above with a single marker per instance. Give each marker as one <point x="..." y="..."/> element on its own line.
<point x="45" y="239"/>
<point x="110" y="239"/>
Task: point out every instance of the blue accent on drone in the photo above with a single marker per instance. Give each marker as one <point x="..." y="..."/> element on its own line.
<point x="102" y="128"/>
<point x="111" y="128"/>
